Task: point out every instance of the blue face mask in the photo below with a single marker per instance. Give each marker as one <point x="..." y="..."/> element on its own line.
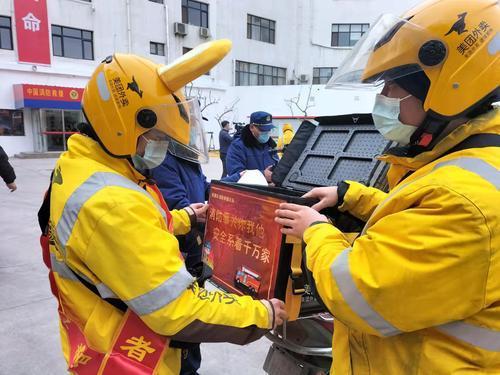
<point x="263" y="137"/>
<point x="385" y="115"/>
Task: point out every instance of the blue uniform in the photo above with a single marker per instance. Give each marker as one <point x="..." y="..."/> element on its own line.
<point x="247" y="153"/>
<point x="181" y="183"/>
<point x="224" y="142"/>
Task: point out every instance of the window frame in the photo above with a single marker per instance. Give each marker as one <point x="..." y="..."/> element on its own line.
<point x="201" y="7"/>
<point x="10" y="33"/>
<point x="321" y="79"/>
<point x="264" y="75"/>
<point x="156" y="45"/>
<point x="254" y="21"/>
<point x="11" y="114"/>
<point x="82" y="40"/>
<point x="336" y="33"/>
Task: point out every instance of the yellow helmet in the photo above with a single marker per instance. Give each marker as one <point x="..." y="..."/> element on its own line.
<point x="452" y="46"/>
<point x="287" y="127"/>
<point x="128" y="95"/>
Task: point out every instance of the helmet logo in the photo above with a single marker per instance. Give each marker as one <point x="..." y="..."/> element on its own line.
<point x="133" y="86"/>
<point x="458" y="26"/>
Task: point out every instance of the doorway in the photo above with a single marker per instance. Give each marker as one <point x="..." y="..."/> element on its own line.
<point x="58" y="125"/>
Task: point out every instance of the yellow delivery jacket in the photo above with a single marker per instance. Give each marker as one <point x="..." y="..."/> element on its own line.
<point x="112" y="232"/>
<point x="419" y="291"/>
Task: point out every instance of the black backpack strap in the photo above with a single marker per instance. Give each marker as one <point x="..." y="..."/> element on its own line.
<point x="476" y="141"/>
<point x="44" y="211"/>
<point x="43" y="221"/>
<point x="116" y="302"/>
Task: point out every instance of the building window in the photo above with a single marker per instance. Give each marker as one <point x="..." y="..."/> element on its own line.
<point x="322" y="75"/>
<point x="11" y="122"/>
<point x="195" y="13"/>
<point x="5" y="33"/>
<point x="73" y="43"/>
<point x="157" y="1"/>
<point x="261" y="29"/>
<point x="250" y="74"/>
<point x="346" y="35"/>
<point x="157" y="48"/>
<point x="186" y="50"/>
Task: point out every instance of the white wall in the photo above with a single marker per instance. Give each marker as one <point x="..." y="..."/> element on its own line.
<point x="303" y="33"/>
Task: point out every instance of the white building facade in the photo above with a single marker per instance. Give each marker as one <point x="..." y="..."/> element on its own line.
<point x="280" y="49"/>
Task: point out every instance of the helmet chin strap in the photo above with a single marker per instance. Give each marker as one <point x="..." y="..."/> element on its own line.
<point x="423" y="138"/>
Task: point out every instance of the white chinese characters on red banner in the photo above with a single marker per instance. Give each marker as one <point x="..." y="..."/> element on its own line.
<point x="32" y="30"/>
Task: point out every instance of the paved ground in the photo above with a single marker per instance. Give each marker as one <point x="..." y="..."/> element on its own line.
<point x="29" y="339"/>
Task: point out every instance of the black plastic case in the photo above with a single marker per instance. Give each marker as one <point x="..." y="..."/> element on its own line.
<point x="338" y="148"/>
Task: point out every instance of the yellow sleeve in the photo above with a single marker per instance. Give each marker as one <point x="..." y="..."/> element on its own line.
<point x="361" y="201"/>
<point x="420" y="267"/>
<point x="182" y="223"/>
<point x="131" y="252"/>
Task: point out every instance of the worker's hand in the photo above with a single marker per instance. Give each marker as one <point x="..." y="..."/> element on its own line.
<point x="12" y="186"/>
<point x="200" y="210"/>
<point x="277" y="312"/>
<point x="328" y="197"/>
<point x="296" y="219"/>
<point x="268" y="173"/>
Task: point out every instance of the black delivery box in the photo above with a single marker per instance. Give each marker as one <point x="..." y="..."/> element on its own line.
<point x="243" y="244"/>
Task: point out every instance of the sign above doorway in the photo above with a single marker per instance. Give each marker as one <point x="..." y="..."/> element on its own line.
<point x="41" y="96"/>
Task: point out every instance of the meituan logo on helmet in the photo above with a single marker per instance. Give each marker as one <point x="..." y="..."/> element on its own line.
<point x="133" y="86"/>
<point x="458" y="26"/>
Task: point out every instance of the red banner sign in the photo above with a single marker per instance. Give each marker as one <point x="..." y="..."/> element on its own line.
<point x="41" y="96"/>
<point x="242" y="241"/>
<point x="52" y="92"/>
<point x="32" y="30"/>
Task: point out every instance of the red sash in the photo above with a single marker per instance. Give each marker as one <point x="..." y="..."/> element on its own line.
<point x="163" y="204"/>
<point x="136" y="349"/>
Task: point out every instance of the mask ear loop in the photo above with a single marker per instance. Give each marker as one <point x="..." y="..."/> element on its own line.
<point x="148" y="141"/>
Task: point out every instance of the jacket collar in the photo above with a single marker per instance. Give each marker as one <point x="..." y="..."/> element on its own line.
<point x="83" y="146"/>
<point x="486" y="123"/>
<point x="250" y="141"/>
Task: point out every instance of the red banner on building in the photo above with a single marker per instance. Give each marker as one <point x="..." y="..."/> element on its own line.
<point x="242" y="241"/>
<point x="41" y="96"/>
<point x="32" y="30"/>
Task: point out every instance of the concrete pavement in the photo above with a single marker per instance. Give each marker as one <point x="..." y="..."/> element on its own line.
<point x="29" y="338"/>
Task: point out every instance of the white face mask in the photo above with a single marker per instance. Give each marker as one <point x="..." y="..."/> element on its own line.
<point x="385" y="115"/>
<point x="154" y="154"/>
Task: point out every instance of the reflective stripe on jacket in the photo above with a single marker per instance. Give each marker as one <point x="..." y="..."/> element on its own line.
<point x="113" y="233"/>
<point x="419" y="291"/>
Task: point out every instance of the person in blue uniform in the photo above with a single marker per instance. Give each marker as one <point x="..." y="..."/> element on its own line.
<point x="253" y="148"/>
